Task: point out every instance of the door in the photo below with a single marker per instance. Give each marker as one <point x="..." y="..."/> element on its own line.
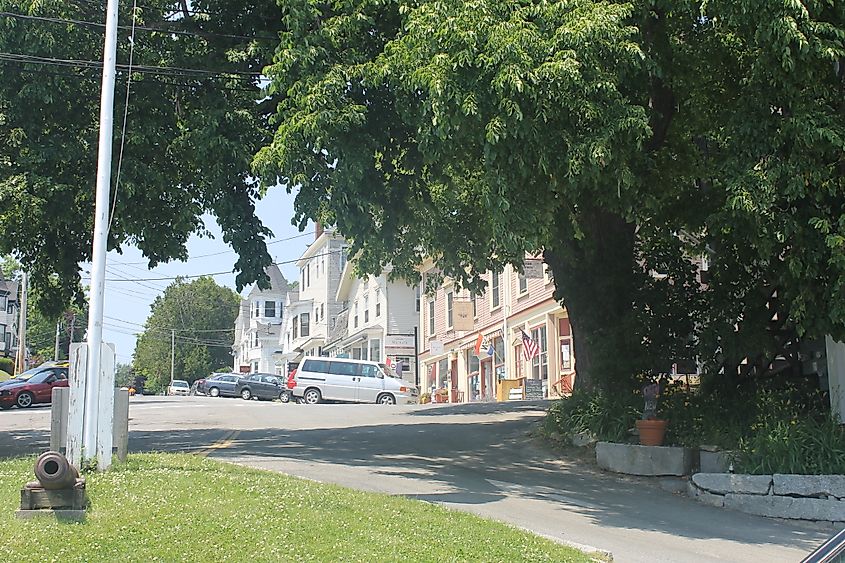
<point x="369" y="383"/>
<point x="341" y="383"/>
<point x="271" y="386"/>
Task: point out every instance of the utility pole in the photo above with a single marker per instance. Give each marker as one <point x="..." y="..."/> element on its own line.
<point x="56" y="350"/>
<point x="98" y="255"/>
<point x="172" y="353"/>
<point x="21" y="357"/>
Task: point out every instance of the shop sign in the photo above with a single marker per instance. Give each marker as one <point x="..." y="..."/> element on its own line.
<point x="393" y="341"/>
<point x="533" y="269"/>
<point x="436" y="347"/>
<point x="462" y="318"/>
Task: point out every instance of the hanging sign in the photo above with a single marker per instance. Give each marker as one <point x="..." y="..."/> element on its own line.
<point x="533" y="269"/>
<point x="462" y="318"/>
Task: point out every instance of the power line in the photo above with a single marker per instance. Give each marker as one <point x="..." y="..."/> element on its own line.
<point x="170" y="329"/>
<point x="209" y="274"/>
<point x="276" y="241"/>
<point x="143" y="69"/>
<point x="84" y="23"/>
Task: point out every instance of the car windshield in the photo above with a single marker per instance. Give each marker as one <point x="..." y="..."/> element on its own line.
<point x="179" y="383"/>
<point x="28" y="374"/>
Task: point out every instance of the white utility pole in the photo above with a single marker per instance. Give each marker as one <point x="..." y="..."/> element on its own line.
<point x="172" y="353"/>
<point x="101" y="231"/>
<point x="56" y="350"/>
<point x="20" y="364"/>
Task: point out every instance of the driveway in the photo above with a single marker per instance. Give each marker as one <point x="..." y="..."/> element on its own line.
<point x="479" y="458"/>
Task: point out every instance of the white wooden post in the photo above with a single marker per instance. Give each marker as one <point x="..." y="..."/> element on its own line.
<point x="105" y="407"/>
<point x="76" y="403"/>
<point x="836" y="376"/>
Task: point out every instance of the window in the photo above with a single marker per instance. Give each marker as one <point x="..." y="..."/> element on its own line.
<point x="295" y="327"/>
<point x="378" y="303"/>
<point x="540" y="362"/>
<point x="305" y="324"/>
<point x="3" y="301"/>
<point x="474" y="305"/>
<point x="355" y="315"/>
<point x="343" y="258"/>
<point x="308" y="275"/>
<point x="302" y="281"/>
<point x="450" y="299"/>
<point x="375" y="349"/>
<point x="417" y="298"/>
<point x="523" y="284"/>
<point x="322" y="311"/>
<point x="442" y="373"/>
<point x="431" y="318"/>
<point x="255" y="340"/>
<point x="369" y="371"/>
<point x="257" y="309"/>
<point x="344" y="368"/>
<point x="270" y="309"/>
<point x="366" y="309"/>
<point x="494" y="289"/>
<point x="318" y="366"/>
<point x="10" y="308"/>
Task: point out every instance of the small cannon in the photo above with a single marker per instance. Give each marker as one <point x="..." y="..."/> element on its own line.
<point x="58" y="488"/>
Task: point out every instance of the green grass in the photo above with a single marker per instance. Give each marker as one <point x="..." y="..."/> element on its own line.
<point x="166" y="507"/>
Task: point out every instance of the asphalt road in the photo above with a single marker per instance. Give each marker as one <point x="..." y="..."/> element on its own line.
<point x="479" y="458"/>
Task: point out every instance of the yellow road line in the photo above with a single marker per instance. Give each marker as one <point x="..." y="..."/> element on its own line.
<point x="220" y="444"/>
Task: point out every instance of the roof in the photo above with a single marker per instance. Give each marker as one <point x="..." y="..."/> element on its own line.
<point x="277" y="280"/>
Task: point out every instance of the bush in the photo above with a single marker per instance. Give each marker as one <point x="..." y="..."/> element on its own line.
<point x="7" y="365"/>
<point x="607" y="418"/>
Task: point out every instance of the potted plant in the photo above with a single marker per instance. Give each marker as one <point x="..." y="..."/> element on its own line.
<point x="425" y="398"/>
<point x="651" y="429"/>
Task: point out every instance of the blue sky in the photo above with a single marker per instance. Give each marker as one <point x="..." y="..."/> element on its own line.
<point x="127" y="303"/>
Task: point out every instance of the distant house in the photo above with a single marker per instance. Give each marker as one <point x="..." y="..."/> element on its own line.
<point x="259" y="326"/>
<point x="316" y="309"/>
<point x="379" y="321"/>
<point x="9" y="314"/>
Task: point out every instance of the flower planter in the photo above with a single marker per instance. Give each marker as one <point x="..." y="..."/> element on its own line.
<point x="652" y="432"/>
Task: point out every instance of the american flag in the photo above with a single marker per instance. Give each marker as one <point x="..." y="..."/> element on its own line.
<point x="529" y="347"/>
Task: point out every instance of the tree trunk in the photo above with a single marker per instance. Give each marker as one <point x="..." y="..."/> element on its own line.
<point x="595" y="281"/>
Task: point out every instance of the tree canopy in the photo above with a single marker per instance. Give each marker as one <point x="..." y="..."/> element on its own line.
<point x="623" y="139"/>
<point x="200" y="317"/>
<point x="194" y="120"/>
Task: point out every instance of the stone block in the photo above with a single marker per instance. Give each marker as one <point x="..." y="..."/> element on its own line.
<point x="704" y="497"/>
<point x="810" y="485"/>
<point x="724" y="483"/>
<point x="633" y="459"/>
<point x="788" y="507"/>
<point x="715" y="461"/>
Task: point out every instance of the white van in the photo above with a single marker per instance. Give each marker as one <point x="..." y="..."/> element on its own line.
<point x="353" y="381"/>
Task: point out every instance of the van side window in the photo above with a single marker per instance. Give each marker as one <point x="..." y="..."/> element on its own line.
<point x="345" y="368"/>
<point x="369" y="371"/>
<point x="317" y="366"/>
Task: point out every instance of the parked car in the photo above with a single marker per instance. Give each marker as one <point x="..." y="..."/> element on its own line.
<point x="32" y="386"/>
<point x="178" y="387"/>
<point x="261" y="386"/>
<point x="353" y="381"/>
<point x="219" y="385"/>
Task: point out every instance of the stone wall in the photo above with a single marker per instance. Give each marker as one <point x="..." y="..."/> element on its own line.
<point x="798" y="497"/>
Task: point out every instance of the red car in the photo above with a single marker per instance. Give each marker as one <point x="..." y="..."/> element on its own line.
<point x="32" y="387"/>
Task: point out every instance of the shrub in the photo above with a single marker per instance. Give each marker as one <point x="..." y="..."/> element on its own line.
<point x="7" y="365"/>
<point x="607" y="418"/>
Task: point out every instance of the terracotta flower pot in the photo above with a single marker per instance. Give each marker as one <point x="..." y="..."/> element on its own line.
<point x="652" y="432"/>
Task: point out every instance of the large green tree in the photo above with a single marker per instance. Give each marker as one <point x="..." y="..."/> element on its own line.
<point x="195" y="118"/>
<point x="620" y="138"/>
<point x="199" y="317"/>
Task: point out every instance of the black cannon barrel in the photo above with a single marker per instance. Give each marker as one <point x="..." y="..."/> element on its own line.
<point x="54" y="471"/>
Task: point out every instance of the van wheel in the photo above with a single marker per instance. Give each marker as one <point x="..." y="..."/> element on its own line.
<point x="246" y="394"/>
<point x="386" y="399"/>
<point x="312" y="396"/>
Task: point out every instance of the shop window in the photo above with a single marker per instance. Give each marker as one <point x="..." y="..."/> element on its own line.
<point x="443" y="373"/>
<point x="375" y="349"/>
<point x="540" y="362"/>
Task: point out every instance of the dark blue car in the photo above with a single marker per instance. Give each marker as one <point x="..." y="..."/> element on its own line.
<point x="219" y="385"/>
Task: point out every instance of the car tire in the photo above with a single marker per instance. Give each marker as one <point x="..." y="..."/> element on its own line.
<point x="214" y="392"/>
<point x="24" y="400"/>
<point x="246" y="394"/>
<point x="284" y="397"/>
<point x="386" y="399"/>
<point x="312" y="396"/>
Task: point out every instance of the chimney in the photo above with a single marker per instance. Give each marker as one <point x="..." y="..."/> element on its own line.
<point x="318" y="230"/>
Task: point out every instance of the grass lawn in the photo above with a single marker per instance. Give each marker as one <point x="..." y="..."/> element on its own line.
<point x="166" y="507"/>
